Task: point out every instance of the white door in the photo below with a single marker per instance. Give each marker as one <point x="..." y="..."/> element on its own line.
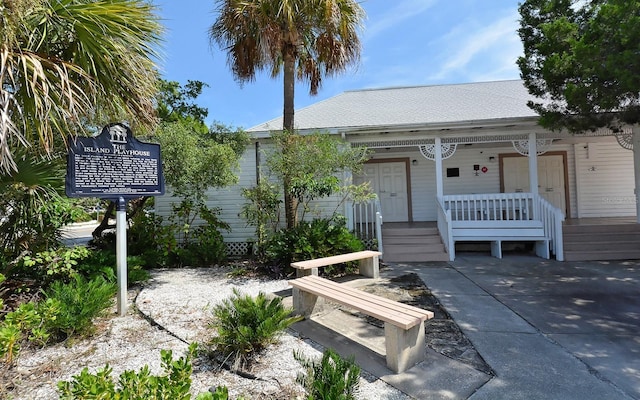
<point x="551" y="184"/>
<point x="389" y="182"/>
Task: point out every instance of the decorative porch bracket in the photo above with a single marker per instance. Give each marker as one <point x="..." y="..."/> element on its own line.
<point x="428" y="151"/>
<point x="625" y="139"/>
<point x="522" y="146"/>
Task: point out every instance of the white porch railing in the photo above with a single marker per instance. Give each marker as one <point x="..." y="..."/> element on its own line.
<point x="490" y="207"/>
<point x="552" y="219"/>
<point x="365" y="220"/>
<point x="509" y="209"/>
<point x="445" y="228"/>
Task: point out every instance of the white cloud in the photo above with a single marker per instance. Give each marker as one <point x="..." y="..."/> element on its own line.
<point x="497" y="43"/>
<point x="401" y="11"/>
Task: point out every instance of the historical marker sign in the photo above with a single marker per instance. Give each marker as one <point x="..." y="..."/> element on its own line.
<point x="113" y="164"/>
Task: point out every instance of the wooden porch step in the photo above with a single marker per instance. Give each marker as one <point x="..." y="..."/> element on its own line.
<point x="601" y="255"/>
<point x="413" y="244"/>
<point x="601" y="242"/>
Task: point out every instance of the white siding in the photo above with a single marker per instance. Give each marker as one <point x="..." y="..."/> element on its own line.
<point x="605" y="180"/>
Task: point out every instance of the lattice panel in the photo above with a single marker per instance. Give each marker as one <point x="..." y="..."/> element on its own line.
<point x="235" y="249"/>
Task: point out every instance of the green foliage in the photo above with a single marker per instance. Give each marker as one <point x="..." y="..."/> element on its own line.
<point x="332" y="378"/>
<point x="194" y="162"/>
<point x="199" y="245"/>
<point x="308" y="167"/>
<point x="578" y="60"/>
<point x="31" y="206"/>
<point x="173" y="384"/>
<point x="246" y="325"/>
<point x="48" y="266"/>
<point x="80" y="301"/>
<point x="30" y="322"/>
<point x="176" y="104"/>
<point x="262" y="210"/>
<point x="153" y="241"/>
<point x="314" y="239"/>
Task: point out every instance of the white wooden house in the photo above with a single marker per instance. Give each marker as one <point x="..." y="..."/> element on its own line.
<point x="459" y="165"/>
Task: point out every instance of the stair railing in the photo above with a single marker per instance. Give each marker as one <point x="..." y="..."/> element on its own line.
<point x="445" y="229"/>
<point x="365" y="219"/>
<point x="552" y="218"/>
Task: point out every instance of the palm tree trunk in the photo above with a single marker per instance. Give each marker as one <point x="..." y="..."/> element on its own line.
<point x="290" y="202"/>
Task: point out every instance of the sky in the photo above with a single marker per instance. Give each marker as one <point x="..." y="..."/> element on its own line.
<point x="404" y="43"/>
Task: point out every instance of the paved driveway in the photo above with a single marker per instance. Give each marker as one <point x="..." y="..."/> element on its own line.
<point x="552" y="330"/>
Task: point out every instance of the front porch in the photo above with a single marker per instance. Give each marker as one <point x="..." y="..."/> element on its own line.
<point x="604" y="238"/>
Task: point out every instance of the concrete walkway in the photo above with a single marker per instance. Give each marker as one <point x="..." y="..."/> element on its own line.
<point x="549" y="330"/>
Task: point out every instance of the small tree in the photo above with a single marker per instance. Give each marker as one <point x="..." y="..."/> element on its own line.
<point x="311" y="165"/>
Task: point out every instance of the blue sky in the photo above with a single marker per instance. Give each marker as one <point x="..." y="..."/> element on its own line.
<point x="404" y="43"/>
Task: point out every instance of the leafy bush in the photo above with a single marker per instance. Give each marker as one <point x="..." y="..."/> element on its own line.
<point x="262" y="210"/>
<point x="29" y="322"/>
<point x="314" y="239"/>
<point x="173" y="384"/>
<point x="204" y="246"/>
<point x="152" y="240"/>
<point x="332" y="378"/>
<point x="80" y="301"/>
<point x="246" y="325"/>
<point x="104" y="263"/>
<point x="50" y="265"/>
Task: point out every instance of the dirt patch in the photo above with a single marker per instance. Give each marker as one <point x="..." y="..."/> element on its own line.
<point x="441" y="332"/>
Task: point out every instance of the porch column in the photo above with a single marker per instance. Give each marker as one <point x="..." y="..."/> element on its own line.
<point x="533" y="168"/>
<point x="438" y="160"/>
<point x="635" y="129"/>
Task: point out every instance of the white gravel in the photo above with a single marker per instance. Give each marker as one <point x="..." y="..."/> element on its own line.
<point x="179" y="301"/>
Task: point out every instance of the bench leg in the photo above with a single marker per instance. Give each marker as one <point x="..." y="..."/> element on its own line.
<point x="305" y="303"/>
<point x="370" y="267"/>
<point x="496" y="249"/>
<point x="405" y="348"/>
<point x="304" y="272"/>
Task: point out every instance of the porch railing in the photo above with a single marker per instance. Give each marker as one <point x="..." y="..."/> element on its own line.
<point x="445" y="228"/>
<point x="552" y="219"/>
<point x="490" y="207"/>
<point x="365" y="220"/>
<point x="495" y="207"/>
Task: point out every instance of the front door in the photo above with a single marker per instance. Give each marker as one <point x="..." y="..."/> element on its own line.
<point x="551" y="182"/>
<point x="389" y="181"/>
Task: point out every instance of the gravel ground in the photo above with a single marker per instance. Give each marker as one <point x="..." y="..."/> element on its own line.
<point x="171" y="310"/>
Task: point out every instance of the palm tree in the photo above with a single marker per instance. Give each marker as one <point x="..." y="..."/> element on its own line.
<point x="69" y="63"/>
<point x="306" y="39"/>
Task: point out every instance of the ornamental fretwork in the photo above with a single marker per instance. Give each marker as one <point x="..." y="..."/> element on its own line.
<point x="522" y="146"/>
<point x="429" y="150"/>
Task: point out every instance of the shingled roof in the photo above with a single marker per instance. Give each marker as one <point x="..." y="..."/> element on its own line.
<point x="412" y="105"/>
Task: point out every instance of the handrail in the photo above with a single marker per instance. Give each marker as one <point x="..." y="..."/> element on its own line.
<point x="445" y="229"/>
<point x="365" y="219"/>
<point x="552" y="218"/>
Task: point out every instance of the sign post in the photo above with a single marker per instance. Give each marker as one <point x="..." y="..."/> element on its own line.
<point x="121" y="254"/>
<point x="115" y="166"/>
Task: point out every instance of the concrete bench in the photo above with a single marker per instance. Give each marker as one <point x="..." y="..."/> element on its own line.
<point x="497" y="232"/>
<point x="403" y="324"/>
<point x="369" y="263"/>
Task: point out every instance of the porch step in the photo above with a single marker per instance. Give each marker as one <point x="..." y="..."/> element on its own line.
<point x="413" y="245"/>
<point x="601" y="242"/>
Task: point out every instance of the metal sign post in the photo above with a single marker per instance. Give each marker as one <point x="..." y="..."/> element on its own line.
<point x="121" y="254"/>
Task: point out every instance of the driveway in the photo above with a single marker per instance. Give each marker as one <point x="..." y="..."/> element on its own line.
<point x="550" y="330"/>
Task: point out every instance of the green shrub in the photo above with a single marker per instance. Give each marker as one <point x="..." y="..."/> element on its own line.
<point x="104" y="263"/>
<point x="173" y="384"/>
<point x="204" y="245"/>
<point x="246" y="325"/>
<point x="332" y="378"/>
<point x="28" y="323"/>
<point x="152" y="240"/>
<point x="314" y="239"/>
<point x="51" y="265"/>
<point x="81" y="301"/>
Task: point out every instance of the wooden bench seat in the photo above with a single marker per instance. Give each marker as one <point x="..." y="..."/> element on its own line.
<point x="369" y="263"/>
<point x="403" y="324"/>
